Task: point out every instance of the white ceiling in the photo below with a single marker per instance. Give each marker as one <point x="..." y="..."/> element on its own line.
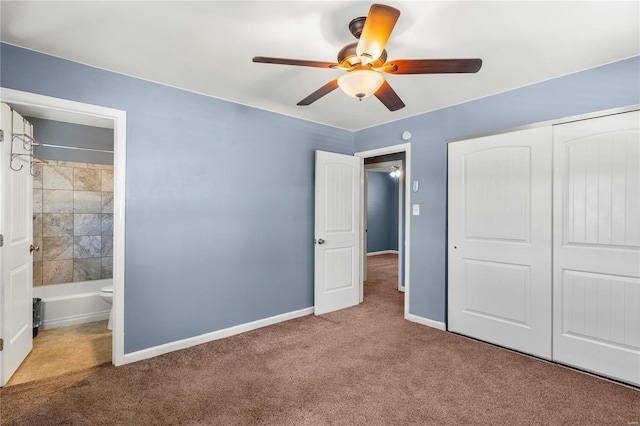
<point x="207" y="46"/>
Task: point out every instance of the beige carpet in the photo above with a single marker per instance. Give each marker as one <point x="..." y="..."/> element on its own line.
<point x="360" y="366"/>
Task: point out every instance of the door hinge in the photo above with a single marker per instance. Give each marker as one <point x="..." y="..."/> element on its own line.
<point x="1" y="240"/>
<point x="1" y="344"/>
<point x="1" y="135"/>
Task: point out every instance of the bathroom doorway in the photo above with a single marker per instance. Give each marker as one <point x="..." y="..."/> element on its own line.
<point x="42" y="107"/>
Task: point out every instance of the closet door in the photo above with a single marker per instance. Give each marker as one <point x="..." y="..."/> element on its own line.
<point x="500" y="239"/>
<point x="596" y="241"/>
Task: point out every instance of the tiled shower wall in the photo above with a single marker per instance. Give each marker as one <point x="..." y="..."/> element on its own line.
<point x="73" y="222"/>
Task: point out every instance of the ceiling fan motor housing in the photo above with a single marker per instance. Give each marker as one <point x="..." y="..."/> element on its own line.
<point x="356" y="25"/>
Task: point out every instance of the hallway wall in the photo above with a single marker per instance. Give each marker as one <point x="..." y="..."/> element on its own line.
<point x="382" y="212"/>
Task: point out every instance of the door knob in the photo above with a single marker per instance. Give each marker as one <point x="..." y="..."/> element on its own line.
<point x="321" y="241"/>
<point x="33" y="248"/>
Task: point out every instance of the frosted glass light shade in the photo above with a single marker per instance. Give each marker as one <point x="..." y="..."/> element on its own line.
<point x="360" y="84"/>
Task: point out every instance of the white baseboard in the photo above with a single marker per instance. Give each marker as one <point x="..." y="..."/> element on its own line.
<point x="425" y="321"/>
<point x="215" y="335"/>
<point x="377" y="253"/>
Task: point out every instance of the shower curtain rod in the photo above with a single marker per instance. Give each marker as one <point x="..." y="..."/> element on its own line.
<point x="50" y="145"/>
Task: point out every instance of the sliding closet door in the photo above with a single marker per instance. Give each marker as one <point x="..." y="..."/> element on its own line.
<point x="596" y="245"/>
<point x="500" y="239"/>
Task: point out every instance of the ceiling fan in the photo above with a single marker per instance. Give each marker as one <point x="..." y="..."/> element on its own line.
<point x="365" y="60"/>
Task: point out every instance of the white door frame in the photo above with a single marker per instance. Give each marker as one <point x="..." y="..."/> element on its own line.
<point x="383" y="168"/>
<point x="406" y="148"/>
<point x="89" y="113"/>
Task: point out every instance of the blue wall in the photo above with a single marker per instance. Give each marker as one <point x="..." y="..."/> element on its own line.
<point x="382" y="212"/>
<point x="609" y="86"/>
<point x="220" y="196"/>
<point x="219" y="199"/>
<point x="76" y="135"/>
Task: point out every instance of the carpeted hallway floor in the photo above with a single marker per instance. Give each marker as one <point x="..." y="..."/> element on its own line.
<point x="361" y="366"/>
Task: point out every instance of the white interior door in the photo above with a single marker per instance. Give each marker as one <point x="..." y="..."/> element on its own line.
<point x="337" y="232"/>
<point x="499" y="239"/>
<point x="597" y="245"/>
<point x="16" y="227"/>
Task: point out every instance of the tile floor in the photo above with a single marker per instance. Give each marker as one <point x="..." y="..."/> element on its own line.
<point x="63" y="350"/>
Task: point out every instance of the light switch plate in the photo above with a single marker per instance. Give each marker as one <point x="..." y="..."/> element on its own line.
<point x="416" y="209"/>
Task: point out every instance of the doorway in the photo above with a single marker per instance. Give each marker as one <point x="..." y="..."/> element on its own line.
<point x="383" y="216"/>
<point x="78" y="113"/>
<point x="385" y="159"/>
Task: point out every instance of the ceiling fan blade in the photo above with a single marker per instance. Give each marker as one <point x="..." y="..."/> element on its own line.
<point x="431" y="66"/>
<point x="298" y="62"/>
<point x="376" y="31"/>
<point x="389" y="97"/>
<point x="324" y="90"/>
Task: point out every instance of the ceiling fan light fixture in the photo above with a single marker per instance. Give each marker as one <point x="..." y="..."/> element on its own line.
<point x="366" y="59"/>
<point x="361" y="83"/>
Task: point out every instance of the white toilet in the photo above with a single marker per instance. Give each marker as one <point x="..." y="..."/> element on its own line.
<point x="106" y="293"/>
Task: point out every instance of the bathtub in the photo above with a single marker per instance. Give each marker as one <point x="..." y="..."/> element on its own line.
<point x="72" y="303"/>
